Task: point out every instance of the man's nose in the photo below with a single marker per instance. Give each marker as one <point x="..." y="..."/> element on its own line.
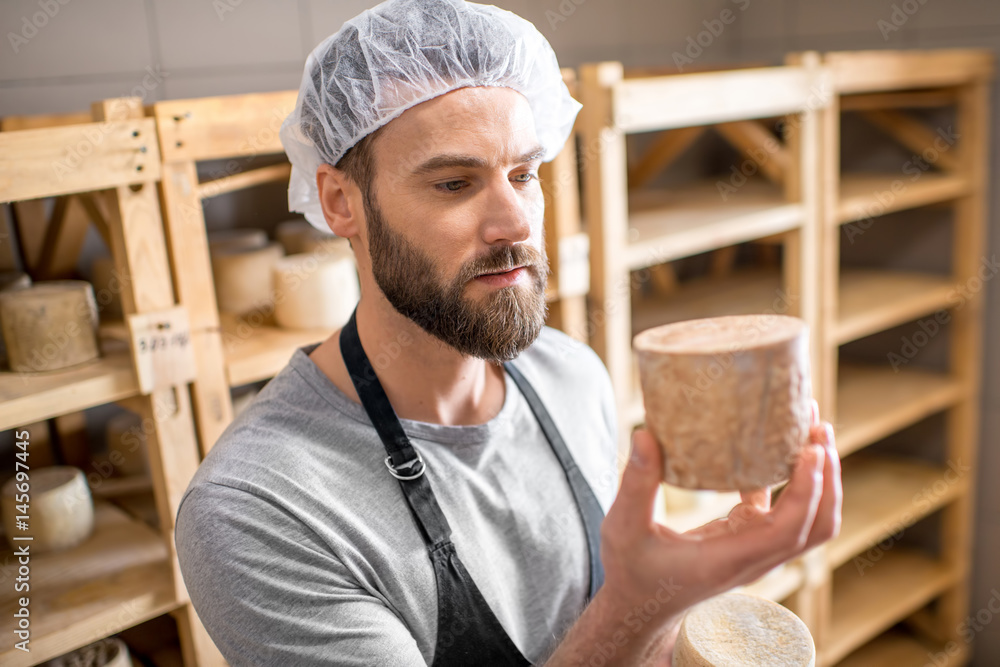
<point x="507" y="214"/>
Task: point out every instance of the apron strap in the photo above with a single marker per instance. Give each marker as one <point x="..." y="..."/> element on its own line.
<point x="590" y="509"/>
<point x="404" y="462"/>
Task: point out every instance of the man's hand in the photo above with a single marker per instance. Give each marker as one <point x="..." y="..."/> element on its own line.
<point x="653" y="574"/>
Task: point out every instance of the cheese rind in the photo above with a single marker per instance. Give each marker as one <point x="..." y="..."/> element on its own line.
<point x="49" y="326"/>
<point x="738" y="630"/>
<point x="727" y="398"/>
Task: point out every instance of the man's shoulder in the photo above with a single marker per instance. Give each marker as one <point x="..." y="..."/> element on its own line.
<point x="557" y="354"/>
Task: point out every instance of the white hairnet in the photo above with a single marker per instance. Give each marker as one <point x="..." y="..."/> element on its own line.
<point x="404" y="52"/>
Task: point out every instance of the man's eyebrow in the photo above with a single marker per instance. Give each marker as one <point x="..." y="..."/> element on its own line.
<point x="470" y="161"/>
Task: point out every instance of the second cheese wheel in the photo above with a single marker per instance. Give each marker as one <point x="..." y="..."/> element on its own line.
<point x="738" y="630"/>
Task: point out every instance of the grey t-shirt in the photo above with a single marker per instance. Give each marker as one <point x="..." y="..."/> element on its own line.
<point x="298" y="548"/>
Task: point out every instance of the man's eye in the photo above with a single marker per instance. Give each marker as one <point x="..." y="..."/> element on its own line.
<point x="452" y="186"/>
<point x="524" y="178"/>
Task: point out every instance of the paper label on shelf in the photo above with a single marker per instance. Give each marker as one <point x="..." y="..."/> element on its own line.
<point x="161" y="349"/>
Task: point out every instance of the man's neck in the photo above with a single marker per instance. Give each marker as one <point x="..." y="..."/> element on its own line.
<point x="424" y="379"/>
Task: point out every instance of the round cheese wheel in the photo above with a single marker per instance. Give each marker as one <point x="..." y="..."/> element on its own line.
<point x="727" y="398"/>
<point x="298" y="236"/>
<point x="738" y="630"/>
<point x="60" y="509"/>
<point x="243" y="281"/>
<point x="49" y="326"/>
<point x="227" y="240"/>
<point x="11" y="280"/>
<point x="315" y="291"/>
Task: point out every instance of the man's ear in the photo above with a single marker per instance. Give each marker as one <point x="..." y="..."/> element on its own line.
<point x="340" y="199"/>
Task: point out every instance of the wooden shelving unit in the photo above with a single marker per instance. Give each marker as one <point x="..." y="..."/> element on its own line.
<point x="868" y="402"/>
<point x="125" y="572"/>
<point x="637" y="228"/>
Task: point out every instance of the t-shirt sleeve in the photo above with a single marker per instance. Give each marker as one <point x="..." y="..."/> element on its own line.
<point x="270" y="592"/>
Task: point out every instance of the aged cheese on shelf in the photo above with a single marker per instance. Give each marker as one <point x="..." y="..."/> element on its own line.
<point x="227" y="240"/>
<point x="60" y="511"/>
<point x="243" y="281"/>
<point x="727" y="398"/>
<point x="49" y="326"/>
<point x="315" y="290"/>
<point x="299" y="236"/>
<point x="738" y="630"/>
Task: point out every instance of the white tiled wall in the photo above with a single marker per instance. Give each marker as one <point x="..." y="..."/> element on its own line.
<point x="85" y="50"/>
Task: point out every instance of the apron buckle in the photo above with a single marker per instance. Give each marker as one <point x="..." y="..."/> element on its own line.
<point x="409" y="466"/>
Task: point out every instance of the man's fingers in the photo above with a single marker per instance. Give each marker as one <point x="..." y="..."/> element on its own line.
<point x="759" y="498"/>
<point x="827" y="523"/>
<point x="632" y="510"/>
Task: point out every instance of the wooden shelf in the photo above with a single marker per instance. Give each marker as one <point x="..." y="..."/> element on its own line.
<point x="26" y="398"/>
<point x="873" y="300"/>
<point x="870" y="602"/>
<point x="711" y="505"/>
<point x="258" y="353"/>
<point x="884" y="495"/>
<point x="777" y="584"/>
<point x="897" y="648"/>
<point x="665" y="225"/>
<point x="742" y="293"/>
<point x="116" y="579"/>
<point x="868" y="195"/>
<point x="875" y="401"/>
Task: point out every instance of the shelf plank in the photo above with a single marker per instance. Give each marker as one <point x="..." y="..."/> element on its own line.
<point x="778" y="584"/>
<point x="116" y="579"/>
<point x="256" y="353"/>
<point x="866" y="604"/>
<point x="742" y="293"/>
<point x="665" y="225"/>
<point x="867" y="195"/>
<point x="883" y="495"/>
<point x="873" y="300"/>
<point x="876" y="401"/>
<point x="897" y="648"/>
<point x="26" y="398"/>
<point x="710" y="505"/>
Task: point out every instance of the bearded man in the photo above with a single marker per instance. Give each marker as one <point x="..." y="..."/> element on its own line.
<point x="436" y="483"/>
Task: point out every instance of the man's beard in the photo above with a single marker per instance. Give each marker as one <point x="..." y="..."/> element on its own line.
<point x="495" y="328"/>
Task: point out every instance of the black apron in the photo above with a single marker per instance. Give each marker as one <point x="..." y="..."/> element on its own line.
<point x="468" y="630"/>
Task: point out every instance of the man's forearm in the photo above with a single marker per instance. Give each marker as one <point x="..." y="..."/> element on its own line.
<point x="618" y="632"/>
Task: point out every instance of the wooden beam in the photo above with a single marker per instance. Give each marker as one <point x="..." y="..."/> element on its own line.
<point x="755" y="142"/>
<point x="667" y="148"/>
<point x="64" y="236"/>
<point x="660" y="103"/>
<point x="913" y="134"/>
<point x="276" y="173"/>
<point x="883" y="71"/>
<point x="229" y="126"/>
<point x="905" y="99"/>
<point x="63" y="160"/>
